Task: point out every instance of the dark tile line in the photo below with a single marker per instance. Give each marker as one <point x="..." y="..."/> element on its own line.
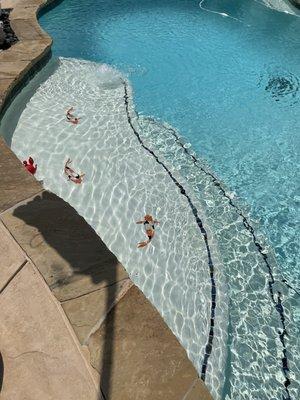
<point x="216" y="183"/>
<point x="208" y="348"/>
<point x="297" y="291"/>
<point x="277" y="304"/>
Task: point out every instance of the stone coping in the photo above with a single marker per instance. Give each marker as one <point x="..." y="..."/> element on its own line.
<point x="15" y="186"/>
<point x="33" y="46"/>
<point x="45" y="273"/>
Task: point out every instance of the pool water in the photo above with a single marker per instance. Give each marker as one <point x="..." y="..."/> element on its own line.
<point x="205" y="86"/>
<point x="208" y="271"/>
<point x="230" y="86"/>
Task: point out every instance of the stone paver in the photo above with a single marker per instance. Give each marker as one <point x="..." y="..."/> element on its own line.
<point x="28" y="11"/>
<point x="11" y="257"/>
<point x="69" y="254"/>
<point x="40" y="355"/>
<point x="9" y="69"/>
<point x="137" y="355"/>
<point x="27" y="29"/>
<point x="24" y="51"/>
<point x="16" y="184"/>
<point x="87" y="312"/>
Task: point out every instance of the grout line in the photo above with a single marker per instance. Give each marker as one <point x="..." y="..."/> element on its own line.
<point x="190" y="389"/>
<point x="22" y="202"/>
<point x="24" y="251"/>
<point x="102" y="319"/>
<point x="13" y="275"/>
<point x="92" y="291"/>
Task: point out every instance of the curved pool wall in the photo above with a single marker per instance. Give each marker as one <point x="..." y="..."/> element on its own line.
<point x="206" y="252"/>
<point x="230" y="85"/>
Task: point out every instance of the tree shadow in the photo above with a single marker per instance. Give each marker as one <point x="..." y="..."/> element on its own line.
<point x="62" y="228"/>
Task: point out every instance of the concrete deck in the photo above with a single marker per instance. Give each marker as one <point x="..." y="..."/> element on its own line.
<point x="73" y="325"/>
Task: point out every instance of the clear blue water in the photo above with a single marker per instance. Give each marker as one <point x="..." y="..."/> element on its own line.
<point x="230" y="86"/>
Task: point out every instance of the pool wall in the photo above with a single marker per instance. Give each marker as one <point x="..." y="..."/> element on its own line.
<point x="19" y="62"/>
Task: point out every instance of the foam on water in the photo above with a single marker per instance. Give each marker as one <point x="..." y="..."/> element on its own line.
<point x="128" y="175"/>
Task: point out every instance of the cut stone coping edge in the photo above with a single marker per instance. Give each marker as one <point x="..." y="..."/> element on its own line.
<point x="27" y="66"/>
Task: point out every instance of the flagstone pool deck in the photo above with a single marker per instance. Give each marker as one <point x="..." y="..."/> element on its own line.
<point x="73" y="325"/>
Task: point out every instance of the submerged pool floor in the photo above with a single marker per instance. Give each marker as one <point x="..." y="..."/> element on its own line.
<point x="209" y="273"/>
<point x="230" y="85"/>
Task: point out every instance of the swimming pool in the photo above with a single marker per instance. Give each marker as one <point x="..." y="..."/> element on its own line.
<point x="230" y="87"/>
<point x="209" y="273"/>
